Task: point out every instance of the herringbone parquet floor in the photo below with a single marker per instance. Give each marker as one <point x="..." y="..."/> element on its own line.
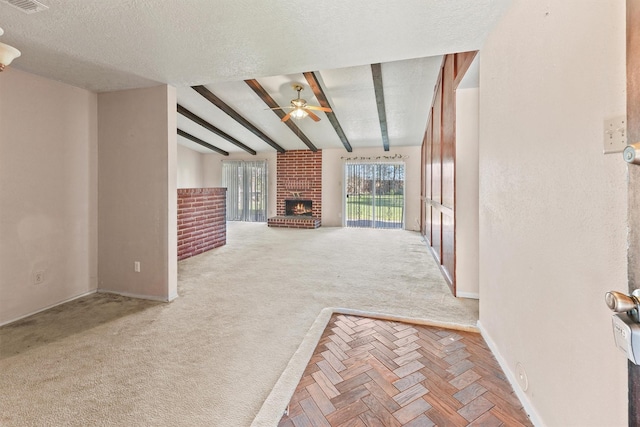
<point x="369" y="372"/>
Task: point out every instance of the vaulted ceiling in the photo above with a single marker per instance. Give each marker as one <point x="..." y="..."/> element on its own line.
<point x="358" y="53"/>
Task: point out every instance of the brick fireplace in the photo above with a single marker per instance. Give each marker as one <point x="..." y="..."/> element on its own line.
<point x="298" y="207"/>
<point x="298" y="187"/>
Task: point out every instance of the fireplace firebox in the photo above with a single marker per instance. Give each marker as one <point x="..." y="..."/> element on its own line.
<point x="298" y="207"/>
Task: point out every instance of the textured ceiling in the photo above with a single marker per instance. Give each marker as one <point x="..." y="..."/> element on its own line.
<point x="121" y="44"/>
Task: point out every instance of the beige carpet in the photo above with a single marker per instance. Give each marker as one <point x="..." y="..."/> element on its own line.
<point x="212" y="357"/>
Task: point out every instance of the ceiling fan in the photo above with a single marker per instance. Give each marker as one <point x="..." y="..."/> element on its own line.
<point x="300" y="109"/>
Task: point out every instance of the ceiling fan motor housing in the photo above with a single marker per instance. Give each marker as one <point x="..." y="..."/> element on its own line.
<point x="299" y="103"/>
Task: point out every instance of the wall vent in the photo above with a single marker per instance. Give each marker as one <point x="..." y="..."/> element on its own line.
<point x="27" y="6"/>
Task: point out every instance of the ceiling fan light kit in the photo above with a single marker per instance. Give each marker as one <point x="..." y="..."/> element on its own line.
<point x="7" y="53"/>
<point x="300" y="109"/>
<point x="299" y="113"/>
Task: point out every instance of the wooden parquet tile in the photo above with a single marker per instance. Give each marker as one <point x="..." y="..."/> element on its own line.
<point x="376" y="373"/>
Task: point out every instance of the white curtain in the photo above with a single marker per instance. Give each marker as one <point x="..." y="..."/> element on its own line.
<point x="246" y="184"/>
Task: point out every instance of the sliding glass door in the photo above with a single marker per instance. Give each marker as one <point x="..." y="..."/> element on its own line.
<point x="374" y="195"/>
<point x="246" y="184"/>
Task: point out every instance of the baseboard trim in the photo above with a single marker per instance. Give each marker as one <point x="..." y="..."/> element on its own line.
<point x="470" y="295"/>
<point x="84" y="294"/>
<point x="138" y="296"/>
<point x="276" y="403"/>
<point x="529" y="408"/>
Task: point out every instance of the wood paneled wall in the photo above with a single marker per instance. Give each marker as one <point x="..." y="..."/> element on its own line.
<point x="439" y="166"/>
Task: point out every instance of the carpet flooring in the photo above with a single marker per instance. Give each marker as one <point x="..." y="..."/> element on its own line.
<point x="216" y="354"/>
<point x="370" y="372"/>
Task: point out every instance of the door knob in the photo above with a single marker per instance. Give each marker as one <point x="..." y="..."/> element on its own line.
<point x="619" y="302"/>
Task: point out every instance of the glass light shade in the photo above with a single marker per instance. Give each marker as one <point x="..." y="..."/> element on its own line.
<point x="299" y="113"/>
<point x="7" y="54"/>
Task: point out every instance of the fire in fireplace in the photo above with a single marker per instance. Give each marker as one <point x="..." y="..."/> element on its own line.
<point x="298" y="207"/>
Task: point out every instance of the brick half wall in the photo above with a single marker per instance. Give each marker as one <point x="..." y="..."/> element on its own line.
<point x="202" y="222"/>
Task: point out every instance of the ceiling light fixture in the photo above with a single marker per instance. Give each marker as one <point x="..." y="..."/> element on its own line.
<point x="7" y="53"/>
<point x="299" y="113"/>
<point x="300" y="109"/>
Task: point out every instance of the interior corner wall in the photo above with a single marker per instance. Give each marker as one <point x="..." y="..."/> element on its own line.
<point x="48" y="193"/>
<point x="553" y="206"/>
<point x="213" y="172"/>
<point x="466" y="193"/>
<point x="190" y="168"/>
<point x="137" y="203"/>
<point x="333" y="182"/>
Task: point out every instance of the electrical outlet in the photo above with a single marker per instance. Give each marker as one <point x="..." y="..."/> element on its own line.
<point x="136" y="266"/>
<point x="38" y="277"/>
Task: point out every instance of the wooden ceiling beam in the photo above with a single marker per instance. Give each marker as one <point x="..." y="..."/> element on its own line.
<point x="463" y="61"/>
<point x="211" y="128"/>
<point x="315" y="86"/>
<point x="212" y="98"/>
<point x="267" y="99"/>
<point x="376" y="71"/>
<point x="201" y="142"/>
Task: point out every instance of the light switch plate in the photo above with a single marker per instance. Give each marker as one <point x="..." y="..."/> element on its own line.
<point x="615" y="135"/>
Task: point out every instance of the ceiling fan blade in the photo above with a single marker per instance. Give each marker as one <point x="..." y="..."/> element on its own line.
<point x="287" y="117"/>
<point x="317" y="108"/>
<point x="278" y="108"/>
<point x="313" y="116"/>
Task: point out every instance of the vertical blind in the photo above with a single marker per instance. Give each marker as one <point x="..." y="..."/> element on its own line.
<point x="246" y="184"/>
<point x="374" y="195"/>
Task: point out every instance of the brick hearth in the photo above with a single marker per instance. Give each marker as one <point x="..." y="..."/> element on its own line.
<point x="294" y="222"/>
<point x="299" y="176"/>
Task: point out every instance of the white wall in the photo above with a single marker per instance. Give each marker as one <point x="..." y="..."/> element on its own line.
<point x="552" y="206"/>
<point x="213" y="172"/>
<point x="137" y="192"/>
<point x="190" y="165"/>
<point x="467" y="257"/>
<point x="333" y="185"/>
<point x="48" y="193"/>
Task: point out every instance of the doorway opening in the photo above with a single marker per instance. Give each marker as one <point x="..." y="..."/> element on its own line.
<point x="246" y="184"/>
<point x="374" y="195"/>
